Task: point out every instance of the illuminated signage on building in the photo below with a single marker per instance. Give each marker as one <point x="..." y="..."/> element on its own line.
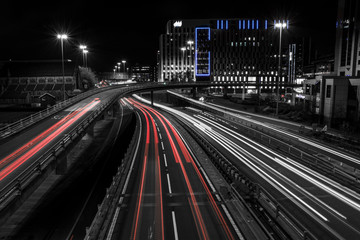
<point x="177" y="23"/>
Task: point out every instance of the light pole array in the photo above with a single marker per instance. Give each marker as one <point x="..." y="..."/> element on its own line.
<point x="62" y="37"/>
<point x="280" y="26"/>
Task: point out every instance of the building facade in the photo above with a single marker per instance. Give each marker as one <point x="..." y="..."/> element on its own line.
<point x="347" y="50"/>
<point x="142" y="73"/>
<point x="224" y="50"/>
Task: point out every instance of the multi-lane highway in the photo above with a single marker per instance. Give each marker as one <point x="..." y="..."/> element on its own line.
<point x="169" y="197"/>
<point x="326" y="208"/>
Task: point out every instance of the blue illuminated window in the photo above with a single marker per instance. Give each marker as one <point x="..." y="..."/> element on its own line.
<point x="218" y="23"/>
<point x="239" y="24"/>
<point x="248" y="24"/>
<point x="252" y="24"/>
<point x="244" y="26"/>
<point x="227" y="24"/>
<point x="257" y="24"/>
<point x="265" y="24"/>
<point x="222" y="24"/>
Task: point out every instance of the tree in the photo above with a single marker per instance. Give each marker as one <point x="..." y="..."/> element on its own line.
<point x="87" y="78"/>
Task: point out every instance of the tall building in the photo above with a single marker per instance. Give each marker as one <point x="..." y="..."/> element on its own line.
<point x="347" y="51"/>
<point x="224" y="50"/>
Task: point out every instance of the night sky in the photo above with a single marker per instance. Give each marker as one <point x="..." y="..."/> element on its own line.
<point x="130" y="29"/>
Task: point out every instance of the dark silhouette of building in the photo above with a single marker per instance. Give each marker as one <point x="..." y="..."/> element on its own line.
<point x="35" y="78"/>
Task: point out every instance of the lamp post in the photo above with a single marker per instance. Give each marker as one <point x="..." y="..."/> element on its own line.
<point x="85" y="52"/>
<point x="190" y="42"/>
<point x="183" y="49"/>
<point x="82" y="48"/>
<point x="123" y="61"/>
<point x="280" y="26"/>
<point x="118" y="66"/>
<point x="62" y="37"/>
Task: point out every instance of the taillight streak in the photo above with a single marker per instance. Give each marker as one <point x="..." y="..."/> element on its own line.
<point x="203" y="232"/>
<point x="14" y="165"/>
<point x="17" y="153"/>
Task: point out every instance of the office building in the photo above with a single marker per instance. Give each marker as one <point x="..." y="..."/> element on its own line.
<point x="224" y="50"/>
<point x="347" y="51"/>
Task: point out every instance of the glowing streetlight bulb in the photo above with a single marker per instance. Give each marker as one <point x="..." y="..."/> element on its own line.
<point x="280" y="25"/>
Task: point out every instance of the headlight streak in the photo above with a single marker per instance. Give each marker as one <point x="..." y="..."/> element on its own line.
<point x="231" y="147"/>
<point x="280" y="160"/>
<point x="312" y="143"/>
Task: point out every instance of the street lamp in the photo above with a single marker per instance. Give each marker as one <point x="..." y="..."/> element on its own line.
<point x="190" y="42"/>
<point x="62" y="37"/>
<point x="118" y="66"/>
<point x="183" y="49"/>
<point x="85" y="52"/>
<point x="123" y="61"/>
<point x="82" y="48"/>
<point x="279" y="26"/>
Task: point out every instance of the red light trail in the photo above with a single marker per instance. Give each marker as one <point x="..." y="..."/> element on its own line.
<point x="38" y="143"/>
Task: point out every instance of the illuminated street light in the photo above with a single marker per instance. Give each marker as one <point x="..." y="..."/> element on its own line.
<point x="280" y="26"/>
<point x="190" y="42"/>
<point x="62" y="37"/>
<point x="85" y="52"/>
<point x="123" y="61"/>
<point x="82" y="48"/>
<point x="183" y="49"/>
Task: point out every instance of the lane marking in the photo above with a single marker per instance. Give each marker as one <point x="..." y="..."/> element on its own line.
<point x="169" y="185"/>
<point x="165" y="160"/>
<point x="162" y="145"/>
<point x="175" y="227"/>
